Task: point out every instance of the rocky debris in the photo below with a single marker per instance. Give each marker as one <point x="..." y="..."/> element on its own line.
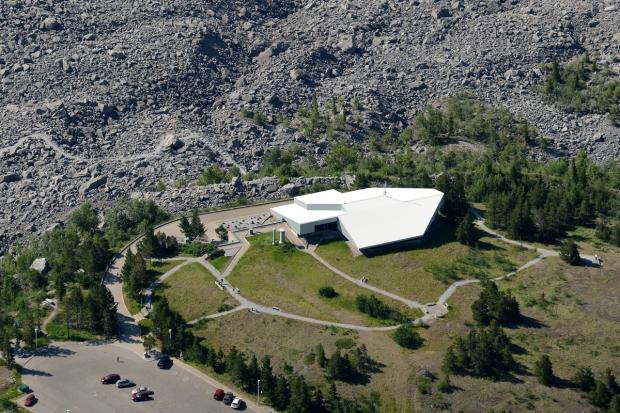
<point x="92" y="183"/>
<point x="132" y="94"/>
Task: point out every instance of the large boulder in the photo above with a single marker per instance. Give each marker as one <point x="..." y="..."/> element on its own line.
<point x="93" y="183"/>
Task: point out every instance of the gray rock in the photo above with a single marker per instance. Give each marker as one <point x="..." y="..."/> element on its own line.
<point x="8" y="178"/>
<point x="50" y="23"/>
<point x="92" y="184"/>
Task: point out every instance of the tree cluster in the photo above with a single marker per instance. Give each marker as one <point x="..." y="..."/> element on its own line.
<point x="583" y="87"/>
<point x="192" y="228"/>
<point x="495" y="305"/>
<point x="485" y="352"/>
<point x="157" y="245"/>
<point x="569" y="252"/>
<point x="198" y="249"/>
<point x="376" y="308"/>
<point x="603" y="392"/>
<point x="129" y="218"/>
<point x="407" y="336"/>
<point x="94" y="310"/>
<point x="134" y="274"/>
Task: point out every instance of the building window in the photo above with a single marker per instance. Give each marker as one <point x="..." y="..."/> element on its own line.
<point x="330" y="226"/>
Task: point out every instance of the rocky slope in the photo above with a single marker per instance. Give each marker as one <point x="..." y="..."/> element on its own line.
<point x="102" y="99"/>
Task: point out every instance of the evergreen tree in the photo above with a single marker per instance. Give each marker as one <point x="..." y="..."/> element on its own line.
<point x="198" y="230"/>
<point x="300" y="401"/>
<point x="543" y="370"/>
<point x="266" y="377"/>
<point x="466" y="231"/>
<point x="569" y="252"/>
<point x="320" y="356"/>
<point x="280" y="395"/>
<point x="495" y="305"/>
<point x="584" y="379"/>
<point x="455" y="205"/>
<point x="186" y="227"/>
<point x="614" y="404"/>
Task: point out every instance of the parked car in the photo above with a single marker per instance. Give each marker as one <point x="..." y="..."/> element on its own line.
<point x="125" y="383"/>
<point x="30" y="400"/>
<point x="219" y="394"/>
<point x="141" y="395"/>
<point x="139" y="389"/>
<point x="165" y="362"/>
<point x="237" y="403"/>
<point x="23" y="388"/>
<point x="110" y="378"/>
<point x="228" y="398"/>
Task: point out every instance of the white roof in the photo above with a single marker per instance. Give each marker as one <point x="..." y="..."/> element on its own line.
<point x="372" y="216"/>
<point x="302" y="215"/>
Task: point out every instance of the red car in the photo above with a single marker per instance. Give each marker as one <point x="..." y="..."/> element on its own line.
<point x="30" y="400"/>
<point x="218" y="395"/>
<point x="110" y="378"/>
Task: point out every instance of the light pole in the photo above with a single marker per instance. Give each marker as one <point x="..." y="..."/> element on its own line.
<point x="36" y="337"/>
<point x="170" y="336"/>
<point x="258" y="393"/>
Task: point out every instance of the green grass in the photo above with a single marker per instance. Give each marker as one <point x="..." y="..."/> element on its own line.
<point x="220" y="263"/>
<point x="155" y="269"/>
<point x="9" y="391"/>
<point x="291" y="280"/>
<point x="423" y="273"/>
<point x="191" y="291"/>
<point x="57" y="330"/>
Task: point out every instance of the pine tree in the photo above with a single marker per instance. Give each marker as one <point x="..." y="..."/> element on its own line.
<point x="584" y="379"/>
<point x="198" y="230"/>
<point x="280" y="395"/>
<point x="320" y="356"/>
<point x="186" y="227"/>
<point x="466" y="231"/>
<point x="569" y="252"/>
<point x="543" y="370"/>
<point x="267" y="378"/>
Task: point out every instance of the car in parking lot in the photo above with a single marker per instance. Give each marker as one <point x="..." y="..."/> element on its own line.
<point x="228" y="398"/>
<point x="237" y="403"/>
<point x="30" y="400"/>
<point x="141" y="395"/>
<point x="219" y="394"/>
<point x="110" y="378"/>
<point x="125" y="383"/>
<point x="165" y="362"/>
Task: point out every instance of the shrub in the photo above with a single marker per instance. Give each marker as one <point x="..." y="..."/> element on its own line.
<point x="345" y="343"/>
<point x="543" y="370"/>
<point x="407" y="336"/>
<point x="444" y="385"/>
<point x="328" y="292"/>
<point x="376" y="308"/>
<point x="424" y="384"/>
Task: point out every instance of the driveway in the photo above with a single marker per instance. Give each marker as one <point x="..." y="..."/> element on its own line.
<point x="67" y="377"/>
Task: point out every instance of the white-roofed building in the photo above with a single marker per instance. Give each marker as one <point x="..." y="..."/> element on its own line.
<point x="368" y="218"/>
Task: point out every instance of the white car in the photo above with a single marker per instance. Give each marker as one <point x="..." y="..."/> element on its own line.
<point x="237" y="403"/>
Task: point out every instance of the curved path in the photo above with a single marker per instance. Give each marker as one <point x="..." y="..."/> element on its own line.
<point x="432" y="311"/>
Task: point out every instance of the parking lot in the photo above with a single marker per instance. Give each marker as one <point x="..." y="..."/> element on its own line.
<point x="67" y="377"/>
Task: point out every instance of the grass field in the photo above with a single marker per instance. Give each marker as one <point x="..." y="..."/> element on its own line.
<point x="220" y="263"/>
<point x="57" y="330"/>
<point x="291" y="280"/>
<point x="155" y="269"/>
<point x="423" y="273"/>
<point x="572" y="314"/>
<point x="191" y="291"/>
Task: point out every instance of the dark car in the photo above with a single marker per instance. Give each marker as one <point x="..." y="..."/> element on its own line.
<point x="141" y="395"/>
<point x="165" y="362"/>
<point x="110" y="378"/>
<point x="30" y="400"/>
<point x="228" y="398"/>
<point x="219" y="394"/>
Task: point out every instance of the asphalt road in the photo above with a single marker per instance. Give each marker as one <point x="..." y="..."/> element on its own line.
<point x="67" y="377"/>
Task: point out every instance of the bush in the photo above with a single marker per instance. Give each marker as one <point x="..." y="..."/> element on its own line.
<point x="198" y="249"/>
<point x="345" y="343"/>
<point x="543" y="370"/>
<point x="424" y="384"/>
<point x="376" y="308"/>
<point x="327" y="291"/>
<point x="407" y="336"/>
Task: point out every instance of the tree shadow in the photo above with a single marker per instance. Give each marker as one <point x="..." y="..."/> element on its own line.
<point x="560" y="383"/>
<point x="526" y="322"/>
<point x="32" y="372"/>
<point x="54" y="351"/>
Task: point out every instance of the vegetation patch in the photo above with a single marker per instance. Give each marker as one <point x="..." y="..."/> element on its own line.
<point x="191" y="291"/>
<point x="287" y="278"/>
